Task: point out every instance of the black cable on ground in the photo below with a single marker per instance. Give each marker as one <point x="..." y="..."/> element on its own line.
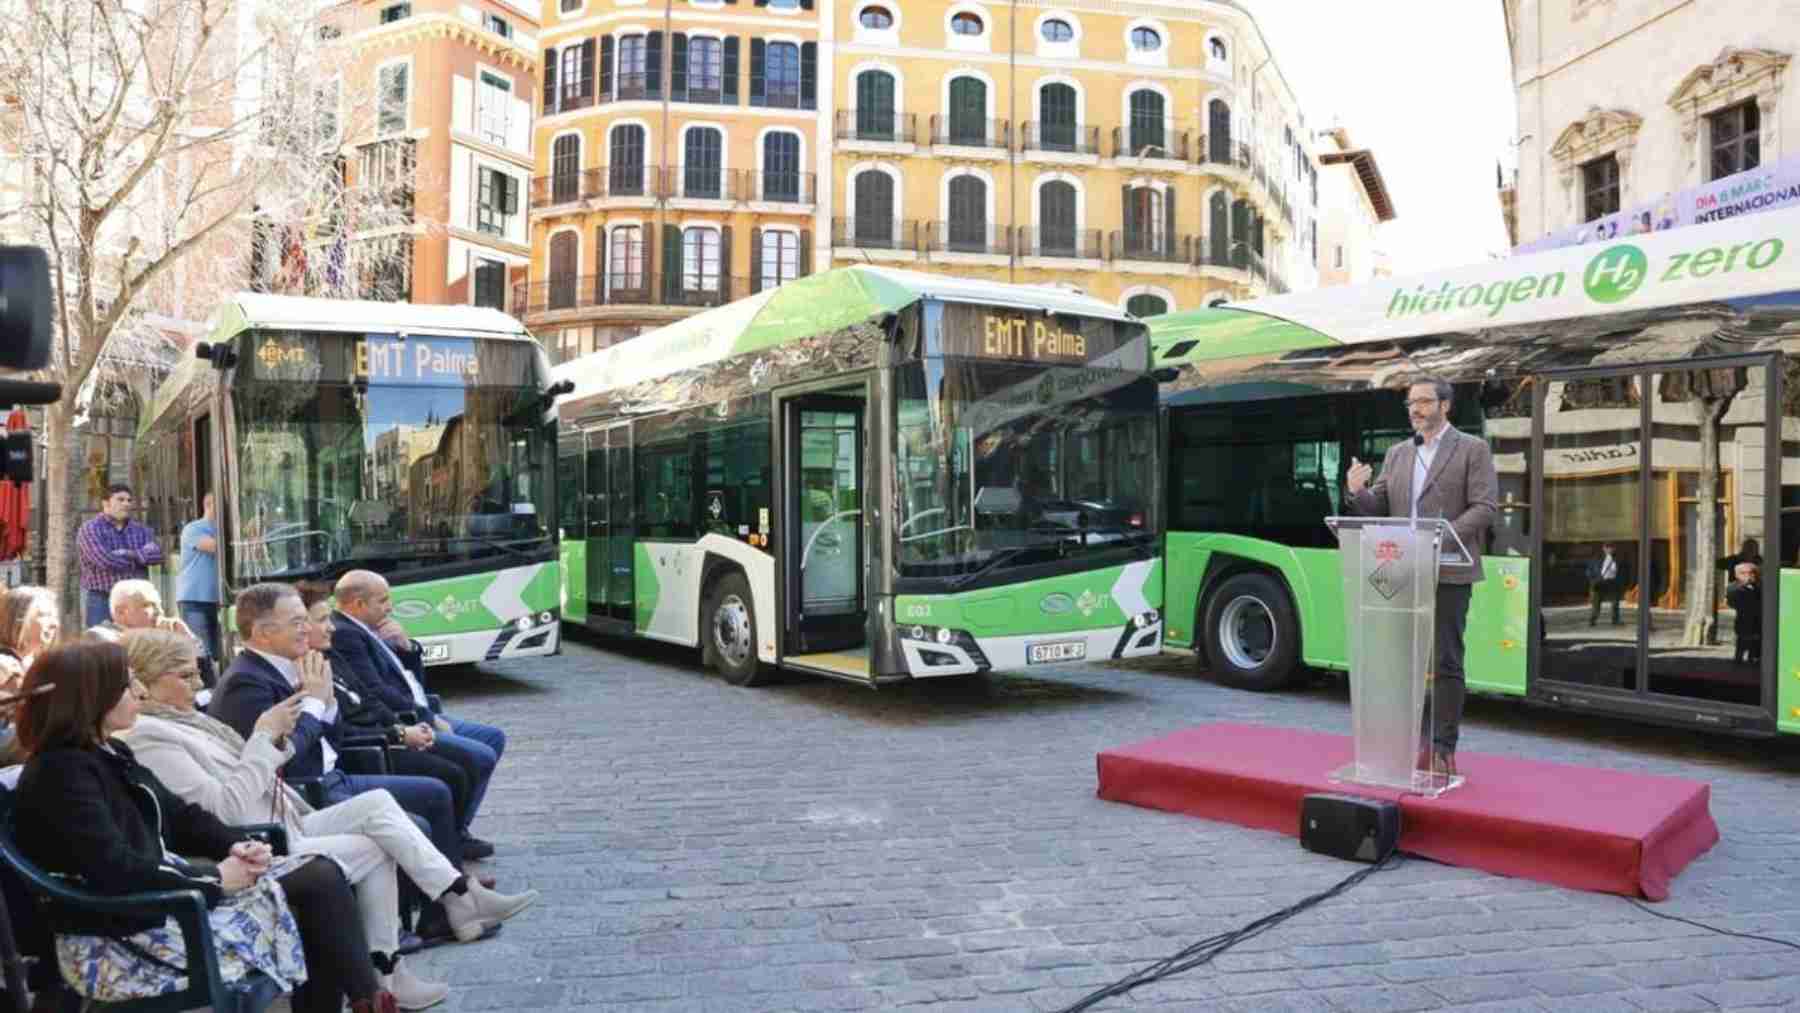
<point x="1205" y="950"/>
<point x="1710" y="928"/>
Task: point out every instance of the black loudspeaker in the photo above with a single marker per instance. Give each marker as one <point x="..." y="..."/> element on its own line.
<point x="16" y="465"/>
<point x="1345" y="826"/>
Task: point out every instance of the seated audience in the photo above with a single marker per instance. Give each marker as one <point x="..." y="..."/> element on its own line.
<point x="29" y="623"/>
<point x="87" y="808"/>
<point x="136" y="605"/>
<point x="274" y="664"/>
<point x="388" y="662"/>
<point x="207" y="763"/>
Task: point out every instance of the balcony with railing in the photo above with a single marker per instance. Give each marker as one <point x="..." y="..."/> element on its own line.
<point x="692" y="289"/>
<point x="866" y="232"/>
<point x="993" y="136"/>
<point x="1059" y="139"/>
<point x="876" y="126"/>
<point x="1063" y="243"/>
<point x="595" y="184"/>
<point x="703" y="182"/>
<point x="966" y="237"/>
<point x="1151" y="142"/>
<point x="781" y="187"/>
<point x="1152" y="246"/>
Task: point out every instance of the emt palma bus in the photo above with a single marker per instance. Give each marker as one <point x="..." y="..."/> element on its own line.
<point x="1641" y="397"/>
<point x="869" y="474"/>
<point x="415" y="441"/>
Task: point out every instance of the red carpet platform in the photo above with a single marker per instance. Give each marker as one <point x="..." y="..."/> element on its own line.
<point x="1573" y="826"/>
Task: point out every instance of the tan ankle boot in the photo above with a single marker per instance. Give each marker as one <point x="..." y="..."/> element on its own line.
<point x="412" y="992"/>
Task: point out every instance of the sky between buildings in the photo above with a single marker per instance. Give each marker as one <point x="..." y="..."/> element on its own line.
<point x="1426" y="84"/>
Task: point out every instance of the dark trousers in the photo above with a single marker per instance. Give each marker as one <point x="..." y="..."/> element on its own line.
<point x="1444" y="700"/>
<point x="1604" y="591"/>
<point x="331" y="934"/>
<point x="96" y="607"/>
<point x="476" y="748"/>
<point x="414" y="763"/>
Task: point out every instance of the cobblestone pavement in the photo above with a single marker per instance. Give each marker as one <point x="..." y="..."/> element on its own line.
<point x="817" y="846"/>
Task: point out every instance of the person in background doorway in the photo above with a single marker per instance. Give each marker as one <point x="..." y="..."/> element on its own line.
<point x="1606" y="576"/>
<point x="197" y="585"/>
<point x="1745" y="596"/>
<point x="112" y="547"/>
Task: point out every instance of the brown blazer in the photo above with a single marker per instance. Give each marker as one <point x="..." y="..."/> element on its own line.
<point x="1461" y="487"/>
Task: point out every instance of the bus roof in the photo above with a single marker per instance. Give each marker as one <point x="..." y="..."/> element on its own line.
<point x="1738" y="258"/>
<point x="246" y="311"/>
<point x="815" y="304"/>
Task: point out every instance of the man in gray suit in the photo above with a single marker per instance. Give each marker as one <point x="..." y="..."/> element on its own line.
<point x="1439" y="473"/>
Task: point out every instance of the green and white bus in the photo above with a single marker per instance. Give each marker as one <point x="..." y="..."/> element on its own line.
<point x="1642" y="393"/>
<point x="415" y="441"/>
<point x="869" y="474"/>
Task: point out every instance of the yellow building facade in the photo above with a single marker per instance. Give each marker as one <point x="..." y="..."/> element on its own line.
<point x="694" y="151"/>
<point x="676" y="147"/>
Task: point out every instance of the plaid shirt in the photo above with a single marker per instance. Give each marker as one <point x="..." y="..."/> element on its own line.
<point x="110" y="554"/>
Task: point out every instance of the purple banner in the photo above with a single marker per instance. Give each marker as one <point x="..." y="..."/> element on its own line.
<point x="1763" y="188"/>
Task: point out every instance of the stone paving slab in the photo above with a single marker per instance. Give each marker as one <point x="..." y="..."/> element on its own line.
<point x="814" y="845"/>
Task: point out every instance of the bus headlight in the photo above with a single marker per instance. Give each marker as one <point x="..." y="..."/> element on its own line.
<point x="1143" y="619"/>
<point x="523" y="624"/>
<point x="544" y="618"/>
<point x="944" y="636"/>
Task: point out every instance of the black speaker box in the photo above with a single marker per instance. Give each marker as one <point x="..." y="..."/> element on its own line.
<point x="1345" y="826"/>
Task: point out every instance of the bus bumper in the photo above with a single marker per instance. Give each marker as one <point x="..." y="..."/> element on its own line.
<point x="965" y="654"/>
<point x="492" y="645"/>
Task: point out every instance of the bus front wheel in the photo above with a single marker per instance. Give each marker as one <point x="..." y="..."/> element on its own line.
<point x="1252" y="634"/>
<point x="731" y="630"/>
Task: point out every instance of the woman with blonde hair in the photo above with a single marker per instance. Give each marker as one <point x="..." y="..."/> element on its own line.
<point x="206" y="762"/>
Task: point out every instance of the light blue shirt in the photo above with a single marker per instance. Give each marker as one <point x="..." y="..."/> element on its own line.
<point x="198" y="579"/>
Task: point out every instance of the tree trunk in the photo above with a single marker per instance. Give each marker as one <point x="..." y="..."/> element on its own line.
<point x="63" y="497"/>
<point x="1703" y="576"/>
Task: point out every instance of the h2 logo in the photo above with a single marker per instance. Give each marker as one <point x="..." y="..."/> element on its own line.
<point x="1615" y="273"/>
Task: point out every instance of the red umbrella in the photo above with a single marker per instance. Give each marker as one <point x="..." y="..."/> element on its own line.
<point x="15" y="503"/>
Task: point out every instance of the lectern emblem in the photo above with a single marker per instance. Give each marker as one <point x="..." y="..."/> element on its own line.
<point x="1388" y="578"/>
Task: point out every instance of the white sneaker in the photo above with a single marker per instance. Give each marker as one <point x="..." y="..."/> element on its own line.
<point x="411" y="992"/>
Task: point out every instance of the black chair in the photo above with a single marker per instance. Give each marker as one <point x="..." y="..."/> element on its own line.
<point x="55" y="893"/>
<point x="357" y="754"/>
<point x="412" y="717"/>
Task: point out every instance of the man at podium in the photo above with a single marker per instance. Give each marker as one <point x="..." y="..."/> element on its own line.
<point x="1440" y="473"/>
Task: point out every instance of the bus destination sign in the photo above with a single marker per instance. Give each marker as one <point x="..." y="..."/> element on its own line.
<point x="430" y="361"/>
<point x="1049" y="339"/>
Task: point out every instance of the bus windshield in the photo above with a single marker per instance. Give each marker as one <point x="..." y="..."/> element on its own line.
<point x="1004" y="466"/>
<point x="388" y="476"/>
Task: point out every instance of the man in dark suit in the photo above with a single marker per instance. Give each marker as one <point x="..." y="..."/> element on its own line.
<point x="389" y="663"/>
<point x="1447" y="474"/>
<point x="1607" y="577"/>
<point x="275" y="665"/>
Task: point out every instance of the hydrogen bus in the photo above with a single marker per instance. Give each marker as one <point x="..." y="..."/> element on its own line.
<point x="1640" y="396"/>
<point x="415" y="441"/>
<point x="872" y="475"/>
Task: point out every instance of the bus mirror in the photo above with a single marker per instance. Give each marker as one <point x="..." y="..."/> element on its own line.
<point x="1164" y="374"/>
<point x="221" y="354"/>
<point x="998" y="499"/>
<point x="17" y="467"/>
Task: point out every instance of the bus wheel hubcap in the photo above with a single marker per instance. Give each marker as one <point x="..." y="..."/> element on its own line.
<point x="731" y="630"/>
<point x="1247" y="632"/>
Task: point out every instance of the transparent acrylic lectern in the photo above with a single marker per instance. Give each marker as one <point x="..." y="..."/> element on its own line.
<point x="1390" y="570"/>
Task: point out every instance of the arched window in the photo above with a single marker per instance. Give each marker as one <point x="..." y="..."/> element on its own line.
<point x="1058" y="30"/>
<point x="1218" y="132"/>
<point x="1216" y="48"/>
<point x="875" y="119"/>
<point x="625" y="174"/>
<point x="625" y="259"/>
<point x="1146" y="304"/>
<point x="562" y="270"/>
<point x="1056" y="219"/>
<point x="877" y="18"/>
<point x="781" y="167"/>
<point x="968" y="111"/>
<point x="966" y="24"/>
<point x="703" y="159"/>
<point x="1146" y="40"/>
<point x="967" y="224"/>
<point x="1146" y="121"/>
<point x="1217" y="302"/>
<point x="565" y="168"/>
<point x="874" y="209"/>
<point x="1147" y="214"/>
<point x="1057" y="126"/>
<point x="1240" y="234"/>
<point x="700" y="259"/>
<point x="1219" y="224"/>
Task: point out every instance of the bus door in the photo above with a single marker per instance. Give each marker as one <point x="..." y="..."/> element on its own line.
<point x="610" y="529"/>
<point x="571" y="509"/>
<point x="1648" y="481"/>
<point x="823" y="553"/>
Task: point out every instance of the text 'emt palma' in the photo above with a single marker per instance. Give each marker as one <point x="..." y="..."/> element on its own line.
<point x="387" y="359"/>
<point x="1005" y="338"/>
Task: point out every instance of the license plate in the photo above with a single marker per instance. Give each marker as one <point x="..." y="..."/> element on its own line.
<point x="437" y="652"/>
<point x="1067" y="650"/>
